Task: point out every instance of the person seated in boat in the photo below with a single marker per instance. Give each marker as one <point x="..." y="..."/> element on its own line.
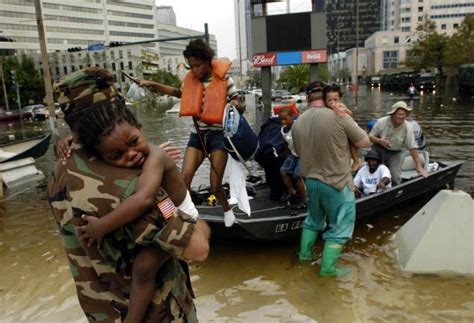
<point x="290" y="170"/>
<point x="373" y="177"/>
<point x="332" y="99"/>
<point x="391" y="135"/>
<point x="206" y="89"/>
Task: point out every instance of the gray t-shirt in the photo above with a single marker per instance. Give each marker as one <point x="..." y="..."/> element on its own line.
<point x="400" y="137"/>
<point x="321" y="139"/>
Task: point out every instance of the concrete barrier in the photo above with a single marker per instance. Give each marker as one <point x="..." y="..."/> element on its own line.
<point x="439" y="237"/>
<point x="19" y="172"/>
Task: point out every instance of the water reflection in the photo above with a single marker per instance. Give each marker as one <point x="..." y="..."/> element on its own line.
<point x="246" y="281"/>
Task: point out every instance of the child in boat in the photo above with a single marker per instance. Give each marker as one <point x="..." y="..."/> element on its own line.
<point x="291" y="166"/>
<point x="332" y="99"/>
<point x="112" y="133"/>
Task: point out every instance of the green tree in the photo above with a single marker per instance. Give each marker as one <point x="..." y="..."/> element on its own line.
<point x="295" y="78"/>
<point x="459" y="49"/>
<point x="166" y="78"/>
<point x="428" y="51"/>
<point x="28" y="78"/>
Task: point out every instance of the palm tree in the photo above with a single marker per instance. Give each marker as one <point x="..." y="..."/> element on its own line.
<point x="295" y="77"/>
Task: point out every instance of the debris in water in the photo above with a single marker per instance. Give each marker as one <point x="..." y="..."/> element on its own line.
<point x="370" y="226"/>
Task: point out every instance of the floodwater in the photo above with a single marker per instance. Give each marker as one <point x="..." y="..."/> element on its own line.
<point x="256" y="282"/>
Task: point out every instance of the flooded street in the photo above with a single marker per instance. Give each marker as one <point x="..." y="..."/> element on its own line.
<point x="245" y="281"/>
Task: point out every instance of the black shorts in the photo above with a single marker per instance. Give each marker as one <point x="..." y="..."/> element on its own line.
<point x="213" y="140"/>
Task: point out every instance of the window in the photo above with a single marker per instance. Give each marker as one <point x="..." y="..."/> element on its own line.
<point x="121" y="66"/>
<point x="120" y="53"/>
<point x="73" y="68"/>
<point x="420" y="9"/>
<point x="113" y="66"/>
<point x="405" y="29"/>
<point x="443" y="26"/>
<point x="130" y="65"/>
<point x="65" y="70"/>
<point x="420" y="18"/>
<point x="390" y="59"/>
<point x="406" y="19"/>
<point x="455" y="26"/>
<point x="396" y="39"/>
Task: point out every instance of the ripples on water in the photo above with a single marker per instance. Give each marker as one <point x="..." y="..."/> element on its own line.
<point x="245" y="281"/>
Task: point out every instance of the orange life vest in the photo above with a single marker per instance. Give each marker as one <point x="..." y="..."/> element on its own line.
<point x="212" y="109"/>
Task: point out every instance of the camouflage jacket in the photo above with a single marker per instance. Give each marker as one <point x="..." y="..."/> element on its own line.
<point x="102" y="275"/>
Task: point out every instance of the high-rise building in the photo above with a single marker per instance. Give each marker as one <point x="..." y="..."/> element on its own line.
<point x="406" y="15"/>
<point x="243" y="32"/>
<point x="342" y="17"/>
<point x="77" y="23"/>
<point x="166" y="15"/>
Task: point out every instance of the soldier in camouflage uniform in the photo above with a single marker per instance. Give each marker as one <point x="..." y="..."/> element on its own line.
<point x="83" y="185"/>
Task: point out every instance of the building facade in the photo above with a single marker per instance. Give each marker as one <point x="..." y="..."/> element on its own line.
<point x="166" y="15"/>
<point x="342" y="17"/>
<point x="406" y="15"/>
<point x="136" y="60"/>
<point x="77" y="23"/>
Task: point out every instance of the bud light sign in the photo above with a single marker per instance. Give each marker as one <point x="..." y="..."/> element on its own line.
<point x="265" y="59"/>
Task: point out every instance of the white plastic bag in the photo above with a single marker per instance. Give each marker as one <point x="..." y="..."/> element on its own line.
<point x="135" y="92"/>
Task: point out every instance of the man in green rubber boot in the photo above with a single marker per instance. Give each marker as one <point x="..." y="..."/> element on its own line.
<point x="325" y="165"/>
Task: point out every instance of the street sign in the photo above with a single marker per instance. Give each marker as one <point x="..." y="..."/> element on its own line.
<point x="95" y="47"/>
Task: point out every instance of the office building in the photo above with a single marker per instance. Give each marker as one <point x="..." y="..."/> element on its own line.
<point x="166" y="15"/>
<point x="342" y="17"/>
<point x="406" y="15"/>
<point x="80" y="23"/>
<point x="136" y="60"/>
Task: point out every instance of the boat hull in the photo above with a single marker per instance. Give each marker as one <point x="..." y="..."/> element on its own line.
<point x="272" y="220"/>
<point x="33" y="147"/>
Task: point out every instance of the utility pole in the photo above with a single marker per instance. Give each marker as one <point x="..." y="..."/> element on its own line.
<point x="4" y="86"/>
<point x="46" y="72"/>
<point x="18" y="99"/>
<point x="238" y="37"/>
<point x="357" y="49"/>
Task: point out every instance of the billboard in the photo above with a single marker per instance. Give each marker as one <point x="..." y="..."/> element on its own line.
<point x="289" y="58"/>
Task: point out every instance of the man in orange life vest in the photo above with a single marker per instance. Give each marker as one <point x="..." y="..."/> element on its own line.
<point x="206" y="90"/>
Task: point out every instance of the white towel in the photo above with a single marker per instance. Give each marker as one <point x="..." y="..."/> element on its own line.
<point x="237" y="183"/>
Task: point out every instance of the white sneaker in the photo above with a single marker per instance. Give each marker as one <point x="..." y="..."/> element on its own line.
<point x="229" y="218"/>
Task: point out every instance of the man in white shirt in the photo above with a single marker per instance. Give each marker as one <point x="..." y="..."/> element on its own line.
<point x="373" y="177"/>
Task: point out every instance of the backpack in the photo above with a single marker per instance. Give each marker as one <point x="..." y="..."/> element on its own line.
<point x="271" y="143"/>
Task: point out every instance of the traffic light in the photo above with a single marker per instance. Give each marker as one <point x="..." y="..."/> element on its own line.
<point x="12" y="82"/>
<point x="115" y="44"/>
<point x="74" y="49"/>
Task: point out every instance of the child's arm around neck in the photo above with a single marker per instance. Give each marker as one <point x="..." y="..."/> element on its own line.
<point x="159" y="170"/>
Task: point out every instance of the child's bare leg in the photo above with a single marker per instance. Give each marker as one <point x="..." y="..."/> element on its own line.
<point x="301" y="189"/>
<point x="144" y="270"/>
<point x="289" y="185"/>
<point x="355" y="157"/>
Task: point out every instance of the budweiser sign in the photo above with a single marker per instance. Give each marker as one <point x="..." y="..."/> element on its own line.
<point x="265" y="59"/>
<point x="314" y="56"/>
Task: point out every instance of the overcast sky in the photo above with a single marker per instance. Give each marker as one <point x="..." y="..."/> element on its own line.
<point x="219" y="15"/>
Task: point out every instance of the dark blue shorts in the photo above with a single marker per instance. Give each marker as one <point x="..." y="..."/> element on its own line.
<point x="213" y="140"/>
<point x="291" y="166"/>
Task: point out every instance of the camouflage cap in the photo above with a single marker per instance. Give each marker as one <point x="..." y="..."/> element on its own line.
<point x="79" y="90"/>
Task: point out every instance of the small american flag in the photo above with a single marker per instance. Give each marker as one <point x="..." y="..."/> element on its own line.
<point x="167" y="208"/>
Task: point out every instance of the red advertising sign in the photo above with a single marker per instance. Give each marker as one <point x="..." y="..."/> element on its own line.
<point x="314" y="56"/>
<point x="265" y="59"/>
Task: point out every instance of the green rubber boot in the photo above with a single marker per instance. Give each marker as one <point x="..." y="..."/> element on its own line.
<point x="308" y="239"/>
<point x="331" y="254"/>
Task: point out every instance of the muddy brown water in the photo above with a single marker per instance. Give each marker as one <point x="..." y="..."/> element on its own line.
<point x="245" y="281"/>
